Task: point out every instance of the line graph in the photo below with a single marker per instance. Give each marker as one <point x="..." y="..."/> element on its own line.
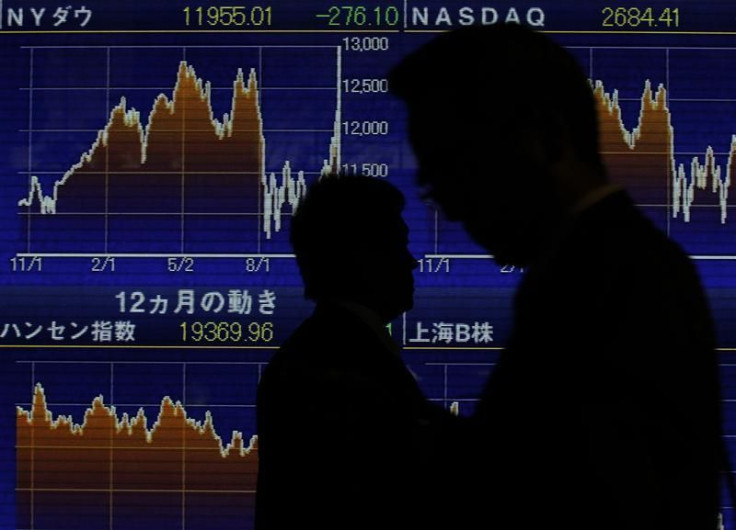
<point x="160" y="440"/>
<point x="124" y="458"/>
<point x="171" y="178"/>
<point x="680" y="174"/>
<point x="154" y="162"/>
<point x="134" y="443"/>
<point x="638" y="156"/>
<point x="667" y="135"/>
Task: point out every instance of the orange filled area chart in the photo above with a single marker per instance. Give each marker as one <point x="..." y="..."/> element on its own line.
<point x="667" y="135"/>
<point x="643" y="159"/>
<point x="177" y="177"/>
<point x="200" y="163"/>
<point x="170" y="161"/>
<point x="111" y="471"/>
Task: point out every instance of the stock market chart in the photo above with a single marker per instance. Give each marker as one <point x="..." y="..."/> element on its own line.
<point x="153" y="153"/>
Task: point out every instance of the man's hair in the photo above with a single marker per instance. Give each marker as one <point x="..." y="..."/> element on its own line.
<point x="492" y="77"/>
<point x="340" y="217"/>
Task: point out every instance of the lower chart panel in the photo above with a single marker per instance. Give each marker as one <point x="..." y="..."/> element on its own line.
<point x="161" y="438"/>
<point x="158" y="438"/>
<point x="126" y="445"/>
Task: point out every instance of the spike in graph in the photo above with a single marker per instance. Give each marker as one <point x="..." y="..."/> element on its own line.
<point x="105" y="452"/>
<point x="707" y="179"/>
<point x="643" y="159"/>
<point x="184" y="160"/>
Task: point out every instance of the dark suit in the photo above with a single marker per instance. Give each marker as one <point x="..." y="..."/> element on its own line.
<point x="603" y="412"/>
<point x="345" y="434"/>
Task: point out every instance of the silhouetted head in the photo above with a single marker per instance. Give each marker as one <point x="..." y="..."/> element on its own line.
<point x="503" y="124"/>
<point x="351" y="243"/>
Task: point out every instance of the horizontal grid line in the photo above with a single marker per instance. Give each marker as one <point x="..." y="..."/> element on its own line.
<point x="662" y="48"/>
<point x="325" y="88"/>
<point x="179" y="130"/>
<point x="125" y="490"/>
<point x="170" y="88"/>
<point x="229" y="214"/>
<point x="183" y="448"/>
<point x="179" y="47"/>
<point x="183" y="363"/>
<point x="160" y="214"/>
<point x="323" y="46"/>
<point x="178" y="173"/>
<point x="459" y="364"/>
<point x="186" y="405"/>
<point x="630" y="153"/>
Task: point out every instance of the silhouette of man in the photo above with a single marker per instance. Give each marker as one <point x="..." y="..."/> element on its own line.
<point x="603" y="410"/>
<point x="344" y="431"/>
